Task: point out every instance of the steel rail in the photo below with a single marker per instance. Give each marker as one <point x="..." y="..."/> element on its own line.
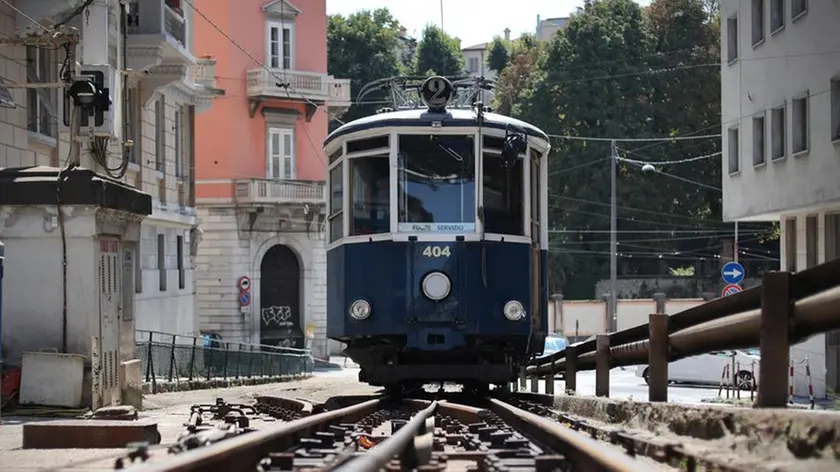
<point x="583" y="452"/>
<point x="812" y="315"/>
<point x="251" y="448"/>
<point x="401" y="441"/>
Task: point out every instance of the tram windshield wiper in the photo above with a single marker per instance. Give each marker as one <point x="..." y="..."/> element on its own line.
<point x="447" y="149"/>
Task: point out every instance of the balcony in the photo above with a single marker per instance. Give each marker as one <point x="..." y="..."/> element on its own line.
<point x="272" y="192"/>
<point x="202" y="78"/>
<point x="158" y="35"/>
<point x="310" y="87"/>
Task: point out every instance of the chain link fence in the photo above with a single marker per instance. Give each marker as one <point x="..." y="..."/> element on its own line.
<point x="173" y="357"/>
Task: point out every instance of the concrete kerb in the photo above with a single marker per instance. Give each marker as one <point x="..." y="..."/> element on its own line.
<point x="183" y="385"/>
<point x="770" y="433"/>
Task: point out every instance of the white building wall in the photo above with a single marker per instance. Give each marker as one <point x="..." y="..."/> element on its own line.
<point x="797" y="60"/>
<point x="226" y="254"/>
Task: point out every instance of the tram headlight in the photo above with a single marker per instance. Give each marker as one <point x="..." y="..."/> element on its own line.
<point x="360" y="310"/>
<point x="514" y="310"/>
<point x="436" y="286"/>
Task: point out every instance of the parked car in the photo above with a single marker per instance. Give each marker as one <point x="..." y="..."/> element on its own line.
<point x="553" y="343"/>
<point x="706" y="369"/>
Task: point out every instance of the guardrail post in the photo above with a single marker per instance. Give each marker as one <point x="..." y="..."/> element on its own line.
<point x="535" y="383"/>
<point x="602" y="365"/>
<point x="571" y="369"/>
<point x="549" y="381"/>
<point x="658" y="358"/>
<point x="659" y="300"/>
<point x="522" y="382"/>
<point x="776" y="311"/>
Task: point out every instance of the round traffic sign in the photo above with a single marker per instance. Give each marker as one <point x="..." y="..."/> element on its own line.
<point x="731" y="289"/>
<point x="244" y="299"/>
<point x="732" y="272"/>
<point x="244" y="283"/>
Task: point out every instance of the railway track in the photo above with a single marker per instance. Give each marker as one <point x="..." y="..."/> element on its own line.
<point x="423" y="432"/>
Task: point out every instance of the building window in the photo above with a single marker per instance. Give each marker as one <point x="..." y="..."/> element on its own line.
<point x="800" y="124"/>
<point x="180" y="129"/>
<point x="835" y="109"/>
<point x="777" y="132"/>
<point x="798" y="8"/>
<point x="777" y="15"/>
<point x="41" y="67"/>
<point x="161" y="259"/>
<point x="473" y="64"/>
<point x="133" y="124"/>
<point x="832" y="236"/>
<point x="280" y="45"/>
<point x="180" y="252"/>
<point x="732" y="39"/>
<point x="734" y="164"/>
<point x="810" y="241"/>
<point x="790" y="244"/>
<point x="280" y="156"/>
<point x="757" y="22"/>
<point x="160" y="134"/>
<point x="758" y="141"/>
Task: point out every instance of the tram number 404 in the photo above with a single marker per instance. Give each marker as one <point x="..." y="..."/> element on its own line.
<point x="437" y="251"/>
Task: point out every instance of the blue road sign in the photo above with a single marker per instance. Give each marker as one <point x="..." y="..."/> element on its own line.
<point x="732" y="272"/>
<point x="244" y="298"/>
<point x="731" y="289"/>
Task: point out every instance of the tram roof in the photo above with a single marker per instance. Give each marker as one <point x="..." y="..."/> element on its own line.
<point x="421" y="118"/>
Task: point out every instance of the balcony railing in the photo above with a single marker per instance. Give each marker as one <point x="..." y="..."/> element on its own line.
<point x="156" y="17"/>
<point x="279" y="191"/>
<point x="204" y="72"/>
<point x="301" y="85"/>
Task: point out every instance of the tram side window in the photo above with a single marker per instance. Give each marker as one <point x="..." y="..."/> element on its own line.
<point x="370" y="195"/>
<point x="503" y="194"/>
<point x="535" y="196"/>
<point x="436" y="182"/>
<point x="336" y="220"/>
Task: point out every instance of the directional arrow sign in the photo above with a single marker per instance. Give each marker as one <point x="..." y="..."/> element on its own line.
<point x="731" y="289"/>
<point x="732" y="273"/>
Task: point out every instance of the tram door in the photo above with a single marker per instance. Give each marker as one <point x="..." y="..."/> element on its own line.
<point x="536" y="275"/>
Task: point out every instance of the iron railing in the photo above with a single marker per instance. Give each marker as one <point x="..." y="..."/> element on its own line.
<point x="174" y="358"/>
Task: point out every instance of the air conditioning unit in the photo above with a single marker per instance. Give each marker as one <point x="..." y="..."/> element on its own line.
<point x="103" y="123"/>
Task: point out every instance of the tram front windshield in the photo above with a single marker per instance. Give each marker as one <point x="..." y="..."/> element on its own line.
<point x="436" y="183"/>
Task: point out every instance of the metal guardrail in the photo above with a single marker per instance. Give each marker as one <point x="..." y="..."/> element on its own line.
<point x="174" y="357"/>
<point x="785" y="309"/>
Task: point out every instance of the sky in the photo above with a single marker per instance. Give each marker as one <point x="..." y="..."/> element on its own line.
<point x="473" y="21"/>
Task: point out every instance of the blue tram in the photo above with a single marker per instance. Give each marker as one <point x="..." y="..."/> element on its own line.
<point x="437" y="240"/>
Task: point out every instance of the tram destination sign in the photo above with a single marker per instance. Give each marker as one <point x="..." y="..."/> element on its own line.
<point x="436" y="227"/>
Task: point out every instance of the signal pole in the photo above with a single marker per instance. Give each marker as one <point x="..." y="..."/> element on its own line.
<point x="613" y="308"/>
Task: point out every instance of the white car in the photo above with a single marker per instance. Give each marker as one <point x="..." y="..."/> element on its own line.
<point x="707" y="369"/>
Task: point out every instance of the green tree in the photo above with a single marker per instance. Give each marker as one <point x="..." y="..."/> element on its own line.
<point x="363" y="47"/>
<point x="438" y="54"/>
<point x="521" y="73"/>
<point x="584" y="89"/>
<point x="498" y="55"/>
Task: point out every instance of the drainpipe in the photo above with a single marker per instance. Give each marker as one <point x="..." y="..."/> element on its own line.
<point x="2" y="256"/>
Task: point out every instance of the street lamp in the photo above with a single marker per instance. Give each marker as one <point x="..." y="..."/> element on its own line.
<point x="650" y="168"/>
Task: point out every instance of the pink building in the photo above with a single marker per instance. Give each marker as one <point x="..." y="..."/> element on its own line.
<point x="260" y="171"/>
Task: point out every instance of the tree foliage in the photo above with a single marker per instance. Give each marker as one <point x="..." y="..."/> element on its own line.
<point x="618" y="70"/>
<point x="498" y="54"/>
<point x="438" y="53"/>
<point x="363" y="47"/>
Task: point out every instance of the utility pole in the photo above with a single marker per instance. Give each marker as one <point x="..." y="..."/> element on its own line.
<point x="613" y="309"/>
<point x="735" y="245"/>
